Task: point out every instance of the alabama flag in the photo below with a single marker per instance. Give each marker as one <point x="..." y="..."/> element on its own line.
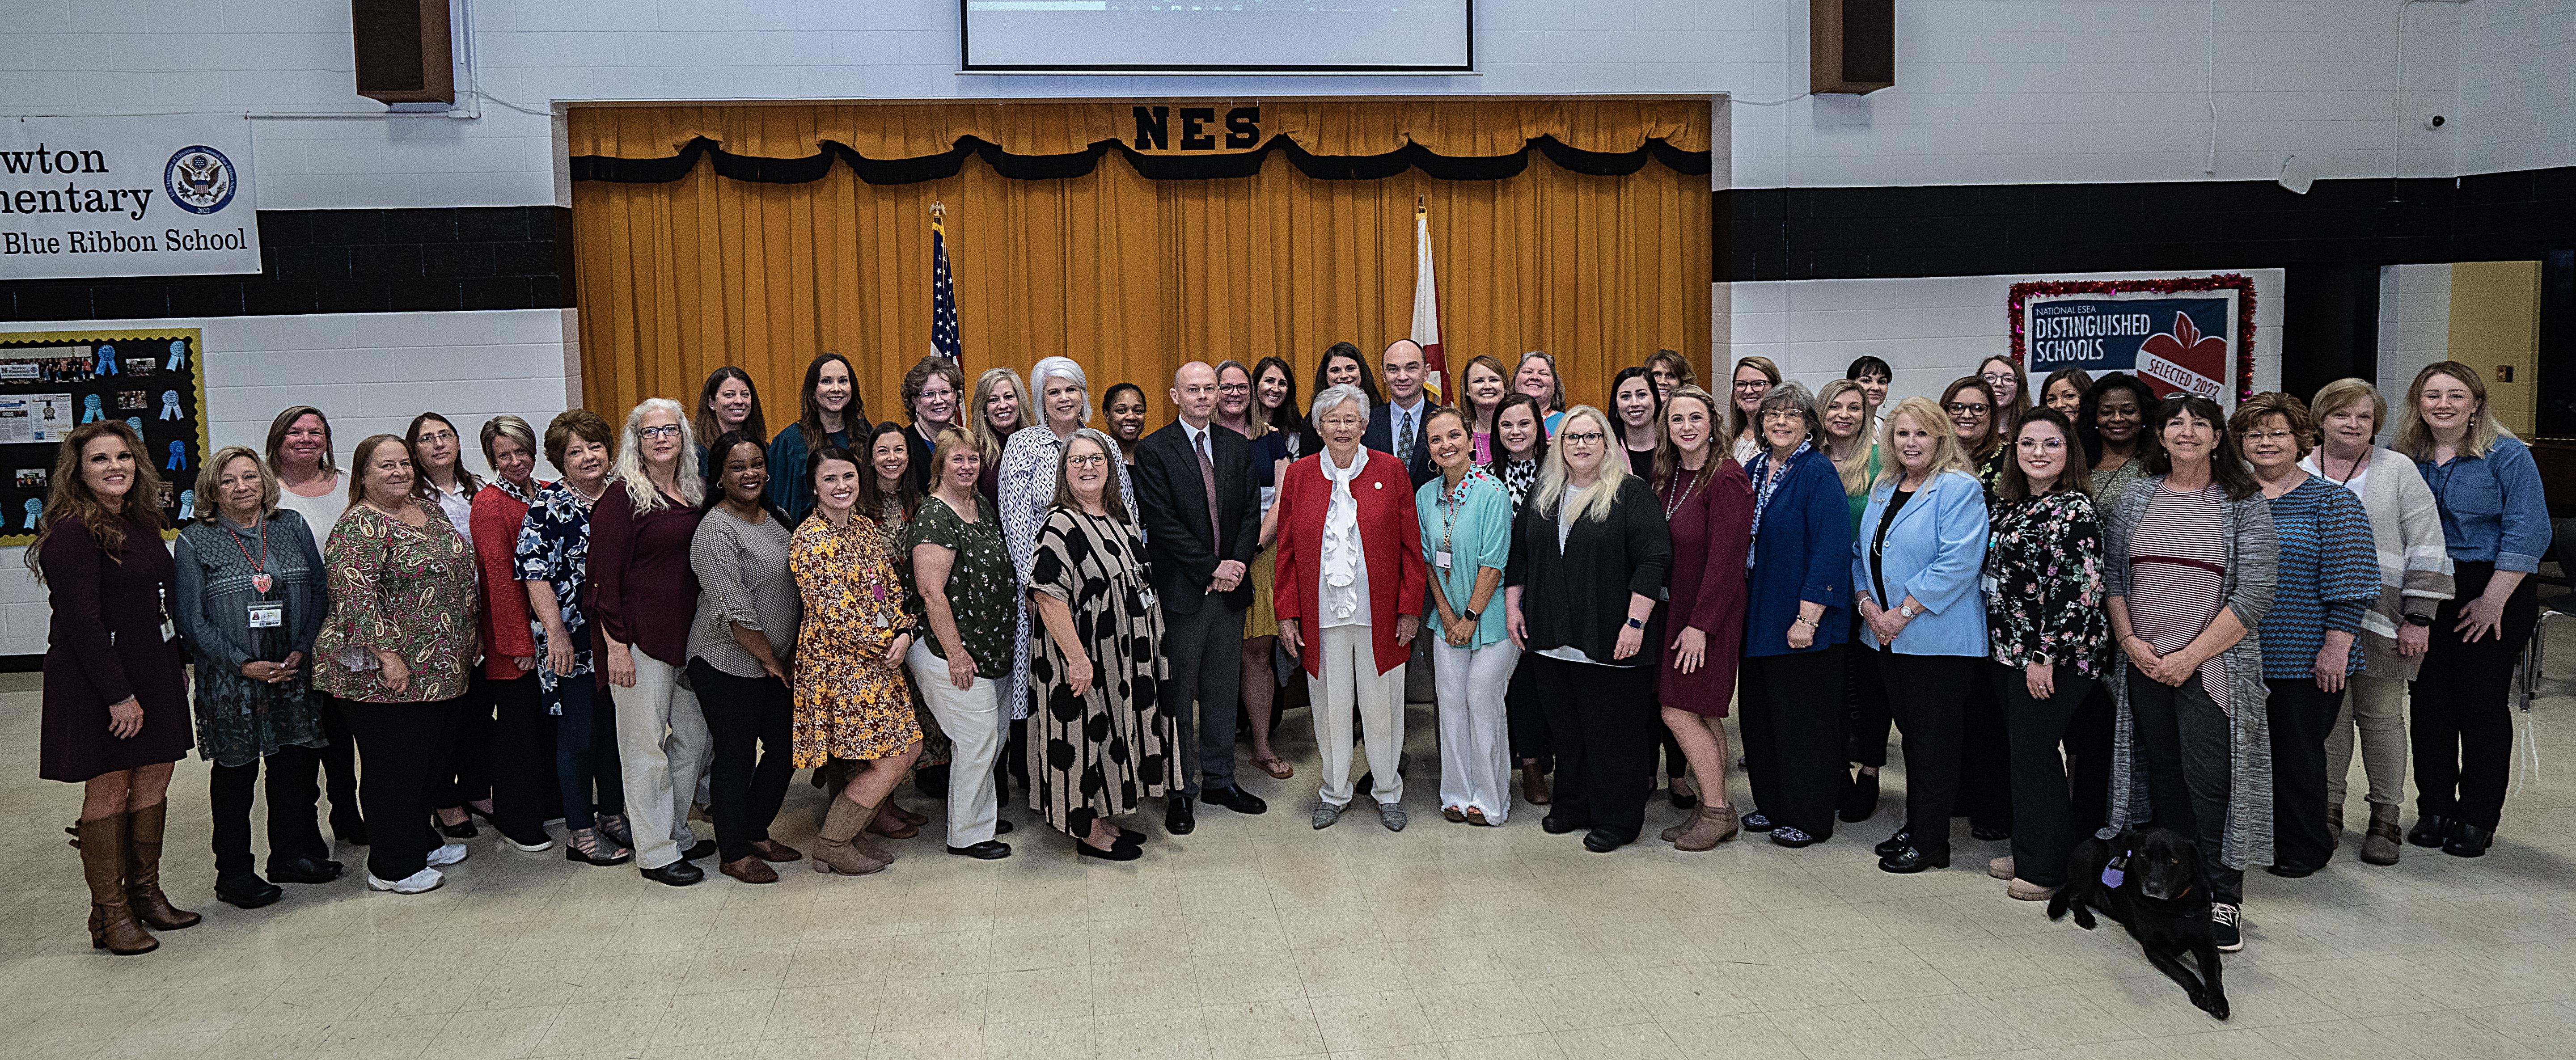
<point x="1426" y="307"/>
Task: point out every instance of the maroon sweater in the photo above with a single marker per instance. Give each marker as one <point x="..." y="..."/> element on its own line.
<point x="642" y="590"/>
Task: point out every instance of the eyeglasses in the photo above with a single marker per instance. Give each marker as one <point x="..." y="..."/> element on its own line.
<point x="1234" y="388"/>
<point x="667" y="430"/>
<point x="1997" y="378"/>
<point x="1966" y="407"/>
<point x="2269" y="436"/>
<point x="438" y="436"/>
<point x="1752" y="384"/>
<point x="1581" y="438"/>
<point x="1087" y="460"/>
<point x="2035" y="443"/>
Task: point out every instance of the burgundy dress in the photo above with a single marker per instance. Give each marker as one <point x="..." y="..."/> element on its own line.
<point x="106" y="645"/>
<point x="1712" y="527"/>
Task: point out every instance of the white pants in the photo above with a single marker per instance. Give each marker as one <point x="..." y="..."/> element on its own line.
<point x="662" y="749"/>
<point x="2378" y="708"/>
<point x="1475" y="734"/>
<point x="1347" y="658"/>
<point x="973" y="721"/>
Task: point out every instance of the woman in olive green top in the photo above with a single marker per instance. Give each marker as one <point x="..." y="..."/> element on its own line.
<point x="971" y="589"/>
<point x="393" y="652"/>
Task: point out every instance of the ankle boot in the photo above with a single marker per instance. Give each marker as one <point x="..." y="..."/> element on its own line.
<point x="111" y="916"/>
<point x="143" y="870"/>
<point x="865" y="842"/>
<point x="2382" y="844"/>
<point x="1709" y="827"/>
<point x="833" y="850"/>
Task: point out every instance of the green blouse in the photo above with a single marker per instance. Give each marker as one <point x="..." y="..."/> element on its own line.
<point x="982" y="586"/>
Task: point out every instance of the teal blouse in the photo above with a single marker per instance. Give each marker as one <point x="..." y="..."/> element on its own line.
<point x="789" y="488"/>
<point x="1473" y="524"/>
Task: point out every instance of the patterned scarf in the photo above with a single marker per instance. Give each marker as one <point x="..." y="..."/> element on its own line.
<point x="1764" y="485"/>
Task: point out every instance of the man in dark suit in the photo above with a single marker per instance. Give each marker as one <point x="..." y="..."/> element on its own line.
<point x="1398" y="426"/>
<point x="1202" y="518"/>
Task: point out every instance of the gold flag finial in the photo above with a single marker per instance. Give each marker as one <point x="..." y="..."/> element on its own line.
<point x="938" y="209"/>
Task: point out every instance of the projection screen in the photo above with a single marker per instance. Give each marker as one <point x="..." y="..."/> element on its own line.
<point x="1247" y="36"/>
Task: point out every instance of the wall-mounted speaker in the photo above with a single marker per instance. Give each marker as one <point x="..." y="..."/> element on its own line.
<point x="1851" y="45"/>
<point x="404" y="50"/>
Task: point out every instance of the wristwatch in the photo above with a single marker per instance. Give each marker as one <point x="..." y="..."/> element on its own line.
<point x="1636" y="623"/>
<point x="2419" y="620"/>
<point x="1908" y="610"/>
<point x="1471" y="616"/>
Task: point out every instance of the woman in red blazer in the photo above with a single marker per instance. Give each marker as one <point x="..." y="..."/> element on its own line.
<point x="1350" y="584"/>
<point x="522" y="767"/>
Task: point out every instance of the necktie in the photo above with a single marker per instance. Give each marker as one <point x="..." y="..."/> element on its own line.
<point x="1207" y="479"/>
<point x="1403" y="437"/>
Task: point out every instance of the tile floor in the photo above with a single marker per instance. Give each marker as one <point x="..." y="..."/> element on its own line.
<point x="1263" y="938"/>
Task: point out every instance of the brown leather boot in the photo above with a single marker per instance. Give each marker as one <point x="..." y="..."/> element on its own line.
<point x="1708" y="827"/>
<point x="833" y="850"/>
<point x="865" y="842"/>
<point x="1534" y="789"/>
<point x="2382" y="844"/>
<point x="111" y="917"/>
<point x="143" y="870"/>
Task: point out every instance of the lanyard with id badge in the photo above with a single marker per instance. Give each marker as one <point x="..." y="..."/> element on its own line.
<point x="264" y="613"/>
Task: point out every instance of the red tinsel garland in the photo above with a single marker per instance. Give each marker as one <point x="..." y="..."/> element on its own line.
<point x="2242" y="284"/>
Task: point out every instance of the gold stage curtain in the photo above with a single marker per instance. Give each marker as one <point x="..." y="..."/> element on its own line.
<point x="1132" y="277"/>
<point x="1453" y="127"/>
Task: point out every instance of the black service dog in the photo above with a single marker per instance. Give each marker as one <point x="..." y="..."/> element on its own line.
<point x="2150" y="880"/>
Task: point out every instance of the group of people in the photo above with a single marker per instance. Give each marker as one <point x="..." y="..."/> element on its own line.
<point x="2083" y="606"/>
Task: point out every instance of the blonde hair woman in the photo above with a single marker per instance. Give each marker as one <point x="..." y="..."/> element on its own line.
<point x="1744" y="397"/>
<point x="1000" y="409"/>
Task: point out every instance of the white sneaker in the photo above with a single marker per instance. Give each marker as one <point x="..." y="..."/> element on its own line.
<point x="447" y="855"/>
<point x="421" y="882"/>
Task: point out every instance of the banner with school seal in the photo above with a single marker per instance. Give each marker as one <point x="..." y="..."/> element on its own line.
<point x="168" y="195"/>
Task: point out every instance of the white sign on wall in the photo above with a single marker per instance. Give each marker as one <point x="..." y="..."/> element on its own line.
<point x="136" y="196"/>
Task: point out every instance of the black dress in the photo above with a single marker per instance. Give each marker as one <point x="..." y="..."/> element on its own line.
<point x="106" y="645"/>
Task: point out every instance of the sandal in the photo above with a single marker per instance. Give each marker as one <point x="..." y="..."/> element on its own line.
<point x="1451" y="815"/>
<point x="1477" y="817"/>
<point x="1277" y="769"/>
<point x="588" y="846"/>
<point x="613" y="825"/>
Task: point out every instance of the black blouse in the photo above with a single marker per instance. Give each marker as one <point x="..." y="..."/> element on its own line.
<point x="1578" y="597"/>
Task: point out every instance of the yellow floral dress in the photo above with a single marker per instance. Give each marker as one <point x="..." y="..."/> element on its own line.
<point x="851" y="702"/>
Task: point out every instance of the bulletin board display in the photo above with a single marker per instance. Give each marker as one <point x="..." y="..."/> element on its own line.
<point x="54" y="381"/>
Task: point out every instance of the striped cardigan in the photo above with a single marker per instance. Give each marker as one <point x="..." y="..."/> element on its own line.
<point x="2251" y="550"/>
<point x="2414" y="560"/>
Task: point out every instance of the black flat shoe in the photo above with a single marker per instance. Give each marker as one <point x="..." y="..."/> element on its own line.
<point x="1132" y="837"/>
<point x="988" y="850"/>
<point x="303" y="870"/>
<point x="1001" y="827"/>
<point x="1178" y="817"/>
<point x="1236" y="799"/>
<point x="2467" y="841"/>
<point x="460" y="830"/>
<point x="1989" y="835"/>
<point x="1679" y="799"/>
<point x="1757" y="821"/>
<point x="248" y="892"/>
<point x="1603" y="840"/>
<point x="1116" y="851"/>
<point x="677" y="874"/>
<point x="702" y="850"/>
<point x="2431" y="830"/>
<point x="1555" y="825"/>
<point x="1860" y="799"/>
<point x="1912" y="860"/>
<point x="2290" y="872"/>
<point x="1895" y="844"/>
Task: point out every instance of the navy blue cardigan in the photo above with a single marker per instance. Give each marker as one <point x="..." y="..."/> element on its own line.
<point x="1801" y="551"/>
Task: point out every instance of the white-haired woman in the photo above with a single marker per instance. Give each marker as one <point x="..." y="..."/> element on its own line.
<point x="2414" y="579"/>
<point x="1349" y="591"/>
<point x="1589" y="555"/>
<point x="1030" y="462"/>
<point x="644" y="596"/>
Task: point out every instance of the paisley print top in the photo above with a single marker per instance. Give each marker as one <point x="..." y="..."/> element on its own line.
<point x="401" y="588"/>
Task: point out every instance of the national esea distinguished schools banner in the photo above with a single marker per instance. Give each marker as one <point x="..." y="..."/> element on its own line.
<point x="135" y="196"/>
<point x="2184" y="335"/>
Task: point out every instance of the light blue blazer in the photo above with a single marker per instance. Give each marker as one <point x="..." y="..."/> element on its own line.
<point x="1935" y="553"/>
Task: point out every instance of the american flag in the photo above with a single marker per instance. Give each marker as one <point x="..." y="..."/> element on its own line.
<point x="943" y="297"/>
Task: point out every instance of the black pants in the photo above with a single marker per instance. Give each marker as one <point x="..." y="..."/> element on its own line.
<point x="2457" y="713"/>
<point x="1985" y="752"/>
<point x="1205" y="650"/>
<point x="1524" y="712"/>
<point x="742" y="711"/>
<point x="2300" y="714"/>
<point x="340" y="769"/>
<point x="2186" y="745"/>
<point x="1790" y="710"/>
<point x="524" y="793"/>
<point x="465" y="774"/>
<point x="2088" y="761"/>
<point x="1865" y="696"/>
<point x="2043" y="804"/>
<point x="1604" y="721"/>
<point x="293" y="831"/>
<point x="1929" y="694"/>
<point x="403" y="743"/>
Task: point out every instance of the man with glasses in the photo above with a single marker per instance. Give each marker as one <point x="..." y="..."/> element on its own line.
<point x="1202" y="517"/>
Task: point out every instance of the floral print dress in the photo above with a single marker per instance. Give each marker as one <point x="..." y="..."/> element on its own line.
<point x="2044" y="584"/>
<point x="554" y="548"/>
<point x="851" y="701"/>
<point x="404" y="589"/>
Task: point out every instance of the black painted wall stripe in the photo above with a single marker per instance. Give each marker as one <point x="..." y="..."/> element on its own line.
<point x="1851" y="233"/>
<point x="344" y="261"/>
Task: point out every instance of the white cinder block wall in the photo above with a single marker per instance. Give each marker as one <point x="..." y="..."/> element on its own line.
<point x="2414" y="329"/>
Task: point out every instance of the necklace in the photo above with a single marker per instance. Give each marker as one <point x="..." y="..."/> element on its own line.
<point x="259" y="578"/>
<point x="2347" y="478"/>
<point x="1682" y="496"/>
